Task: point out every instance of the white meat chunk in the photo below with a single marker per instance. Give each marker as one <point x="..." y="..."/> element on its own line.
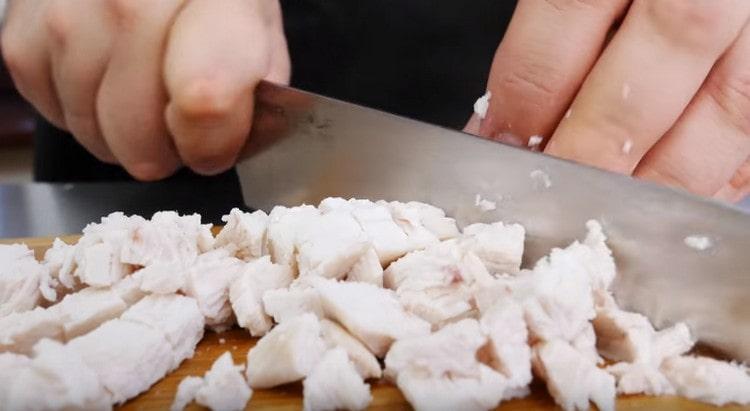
<point x="246" y="292"/>
<point x="56" y="379"/>
<point x="623" y="336"/>
<point x="671" y="342"/>
<point x="129" y="288"/>
<point x="585" y="343"/>
<point x="329" y="245"/>
<point x="572" y="379"/>
<point x="708" y="380"/>
<point x="246" y="232"/>
<point x="163" y="277"/>
<point x="437" y="283"/>
<point x="423" y="224"/>
<point x="176" y="317"/>
<point x="281" y="236"/>
<point x="102" y="266"/>
<point x="499" y="246"/>
<point x="508" y="348"/>
<point x="286" y="354"/>
<point x="334" y="384"/>
<point x="128" y="357"/>
<point x="640" y="378"/>
<point x="595" y="256"/>
<point x="367" y="269"/>
<point x="364" y="361"/>
<point x="20" y="276"/>
<point x="10" y="366"/>
<point x="371" y="314"/>
<point x="60" y="262"/>
<point x="453" y="393"/>
<point x="85" y="310"/>
<point x="20" y="331"/>
<point x="224" y="387"/>
<point x="286" y="303"/>
<point x="208" y="281"/>
<point x="186" y="392"/>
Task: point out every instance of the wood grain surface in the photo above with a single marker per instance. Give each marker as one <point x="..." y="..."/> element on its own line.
<point x="289" y="397"/>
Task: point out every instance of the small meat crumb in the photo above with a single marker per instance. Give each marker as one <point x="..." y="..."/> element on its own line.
<point x="484" y="204"/>
<point x="541" y="178"/>
<point x="482" y="104"/>
<point x="699" y="242"/>
<point x="535" y="141"/>
<point x="625" y="91"/>
<point x="222" y="341"/>
<point x="627" y="146"/>
<point x="568" y="113"/>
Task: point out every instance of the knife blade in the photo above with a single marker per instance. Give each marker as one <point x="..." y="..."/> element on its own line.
<point x="305" y="147"/>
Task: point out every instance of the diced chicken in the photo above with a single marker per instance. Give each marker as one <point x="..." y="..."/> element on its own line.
<point x="334" y="384"/>
<point x="367" y="269"/>
<point x="365" y="362"/>
<point x="20" y="275"/>
<point x="224" y="387"/>
<point x="585" y="343"/>
<point x="456" y="393"/>
<point x="246" y="292"/>
<point x="508" y="347"/>
<point x="623" y="336"/>
<point x="85" y="310"/>
<point x="208" y="281"/>
<point x="640" y="378"/>
<point x="371" y="314"/>
<point x="499" y="246"/>
<point x="423" y="224"/>
<point x="56" y="379"/>
<point x="163" y="277"/>
<point x="572" y="379"/>
<point x="286" y="303"/>
<point x="595" y="256"/>
<point x="246" y="232"/>
<point x="186" y="392"/>
<point x="102" y="266"/>
<point x="281" y="236"/>
<point x="129" y="288"/>
<point x="176" y="317"/>
<point x="708" y="380"/>
<point x="20" y="331"/>
<point x="60" y="262"/>
<point x="10" y="366"/>
<point x="329" y="245"/>
<point x="671" y="342"/>
<point x="286" y="354"/>
<point x="128" y="357"/>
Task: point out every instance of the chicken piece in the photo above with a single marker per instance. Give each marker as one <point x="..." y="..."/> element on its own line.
<point x="707" y="380"/>
<point x="176" y="317"/>
<point x="334" y="384"/>
<point x="371" y="314"/>
<point x="129" y="288"/>
<point x="208" y="281"/>
<point x="11" y="365"/>
<point x="20" y="275"/>
<point x="640" y="378"/>
<point x="56" y="379"/>
<point x="367" y="269"/>
<point x="128" y="357"/>
<point x="163" y="277"/>
<point x="499" y="246"/>
<point x="572" y="379"/>
<point x="508" y="347"/>
<point x="453" y="393"/>
<point x="365" y="362"/>
<point x="20" y="331"/>
<point x="286" y="303"/>
<point x="671" y="342"/>
<point x="623" y="336"/>
<point x="438" y="283"/>
<point x="224" y="387"/>
<point x="186" y="392"/>
<point x="85" y="310"/>
<point x="102" y="266"/>
<point x="246" y="292"/>
<point x="281" y="236"/>
<point x="329" y="245"/>
<point x="60" y="262"/>
<point x="585" y="343"/>
<point x="595" y="256"/>
<point x="246" y="232"/>
<point x="286" y="354"/>
<point x="421" y="222"/>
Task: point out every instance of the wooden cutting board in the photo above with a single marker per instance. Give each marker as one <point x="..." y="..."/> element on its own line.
<point x="289" y="397"/>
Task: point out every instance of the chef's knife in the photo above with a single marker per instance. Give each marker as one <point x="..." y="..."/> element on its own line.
<point x="305" y="147"/>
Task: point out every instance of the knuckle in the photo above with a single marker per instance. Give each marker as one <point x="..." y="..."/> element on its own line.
<point x="58" y="21"/>
<point x="533" y="79"/>
<point x="696" y="24"/>
<point x="731" y="92"/>
<point x="150" y="171"/>
<point x="203" y="100"/>
<point x="127" y="12"/>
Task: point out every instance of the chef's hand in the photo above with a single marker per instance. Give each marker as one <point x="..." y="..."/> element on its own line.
<point x="665" y="97"/>
<point x="151" y="85"/>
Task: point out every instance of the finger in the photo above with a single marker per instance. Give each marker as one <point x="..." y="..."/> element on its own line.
<point x="738" y="186"/>
<point x="645" y="78"/>
<point x="26" y="54"/>
<point x="131" y="99"/>
<point x="79" y="54"/>
<point x="711" y="140"/>
<point x="543" y="58"/>
<point x="215" y="58"/>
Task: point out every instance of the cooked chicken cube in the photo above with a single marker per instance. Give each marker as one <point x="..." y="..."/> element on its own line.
<point x="176" y="317"/>
<point x="334" y="384"/>
<point x="623" y="336"/>
<point x="371" y="314"/>
<point x="365" y="362"/>
<point x="224" y="387"/>
<point x="499" y="246"/>
<point x="367" y="269"/>
<point x="56" y="379"/>
<point x="286" y="303"/>
<point x="453" y="393"/>
<point x="128" y="357"/>
<point x="595" y="256"/>
<point x="640" y="378"/>
<point x="60" y="263"/>
<point x="572" y="379"/>
<point x="246" y="232"/>
<point x="20" y="331"/>
<point x="281" y="236"/>
<point x="11" y="365"/>
<point x="85" y="310"/>
<point x="286" y="354"/>
<point x="329" y="245"/>
<point x="129" y="288"/>
<point x="20" y="275"/>
<point x="508" y="349"/>
<point x="163" y="277"/>
<point x="208" y="281"/>
<point x="585" y="343"/>
<point x="671" y="342"/>
<point x="707" y="380"/>
<point x="102" y="266"/>
<point x="186" y="392"/>
<point x="246" y="292"/>
<point x="421" y="221"/>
